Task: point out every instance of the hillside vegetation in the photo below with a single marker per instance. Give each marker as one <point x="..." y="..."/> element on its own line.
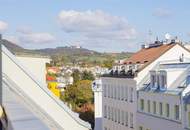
<point x="69" y="55"/>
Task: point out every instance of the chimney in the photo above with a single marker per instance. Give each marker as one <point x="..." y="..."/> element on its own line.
<point x="1" y="37"/>
<point x="143" y="46"/>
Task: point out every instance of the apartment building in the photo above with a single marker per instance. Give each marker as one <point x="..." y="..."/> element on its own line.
<point x="148" y="92"/>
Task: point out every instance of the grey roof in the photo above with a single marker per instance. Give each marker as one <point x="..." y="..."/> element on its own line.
<point x="176" y="91"/>
<point x="18" y="115"/>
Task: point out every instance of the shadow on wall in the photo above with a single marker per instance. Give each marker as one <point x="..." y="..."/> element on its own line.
<point x="98" y="124"/>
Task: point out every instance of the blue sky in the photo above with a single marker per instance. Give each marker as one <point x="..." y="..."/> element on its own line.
<point x="102" y="25"/>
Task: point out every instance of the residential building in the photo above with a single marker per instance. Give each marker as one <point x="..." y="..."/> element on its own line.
<point x="150" y="91"/>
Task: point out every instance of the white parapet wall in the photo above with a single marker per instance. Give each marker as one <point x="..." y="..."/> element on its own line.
<point x="47" y="104"/>
<point x="37" y="65"/>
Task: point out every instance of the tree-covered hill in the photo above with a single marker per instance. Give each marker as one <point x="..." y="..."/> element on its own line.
<point x="68" y="55"/>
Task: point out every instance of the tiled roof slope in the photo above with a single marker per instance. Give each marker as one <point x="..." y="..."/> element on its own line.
<point x="148" y="55"/>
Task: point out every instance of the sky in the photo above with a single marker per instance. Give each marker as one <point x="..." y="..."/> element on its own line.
<point x="101" y="25"/>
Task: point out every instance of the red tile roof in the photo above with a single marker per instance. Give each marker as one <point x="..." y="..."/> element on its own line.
<point x="50" y="78"/>
<point x="148" y="55"/>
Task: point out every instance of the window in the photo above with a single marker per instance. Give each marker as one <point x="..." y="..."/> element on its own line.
<point x="176" y="111"/>
<point x="167" y="110"/>
<point x="148" y="106"/>
<point x="115" y="88"/>
<point x="188" y="80"/>
<point x="131" y="120"/>
<point x="112" y="113"/>
<point x="131" y="95"/>
<point x="188" y="119"/>
<point x="108" y="112"/>
<point x="140" y="128"/>
<point x="111" y="91"/>
<point x="160" y="107"/>
<point x="123" y="93"/>
<point x="108" y="91"/>
<point x="105" y="111"/>
<point x="163" y="80"/>
<point x="122" y="117"/>
<point x="152" y="78"/>
<point x="119" y="93"/>
<point x="142" y="104"/>
<point x="105" y="90"/>
<point x="115" y="115"/>
<point x="126" y="93"/>
<point x="126" y="118"/>
<point x="154" y="107"/>
<point x="158" y="79"/>
<point x="118" y="116"/>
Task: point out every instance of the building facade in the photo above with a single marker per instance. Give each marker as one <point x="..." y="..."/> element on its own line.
<point x="119" y="106"/>
<point x="149" y="91"/>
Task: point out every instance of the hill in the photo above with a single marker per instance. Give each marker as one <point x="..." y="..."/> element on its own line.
<point x="68" y="55"/>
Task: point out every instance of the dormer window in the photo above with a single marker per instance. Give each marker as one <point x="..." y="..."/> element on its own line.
<point x="162" y="80"/>
<point x="153" y="79"/>
<point x="158" y="80"/>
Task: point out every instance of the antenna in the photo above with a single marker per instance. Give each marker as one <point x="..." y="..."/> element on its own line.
<point x="1" y="37"/>
<point x="157" y="38"/>
<point x="150" y="36"/>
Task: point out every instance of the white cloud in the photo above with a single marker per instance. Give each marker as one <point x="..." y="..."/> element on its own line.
<point x="24" y="30"/>
<point x="13" y="39"/>
<point x="96" y="24"/>
<point x="162" y="13"/>
<point x="37" y="38"/>
<point x="3" y="26"/>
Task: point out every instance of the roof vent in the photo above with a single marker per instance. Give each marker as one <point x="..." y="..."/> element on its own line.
<point x="143" y="46"/>
<point x="146" y="46"/>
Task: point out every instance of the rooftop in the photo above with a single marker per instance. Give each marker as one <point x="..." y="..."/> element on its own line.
<point x="176" y="70"/>
<point x="146" y="55"/>
<point x="140" y="60"/>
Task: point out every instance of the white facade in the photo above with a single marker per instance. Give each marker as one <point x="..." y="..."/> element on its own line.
<point x="151" y="109"/>
<point x="36" y="65"/>
<point x="119" y="106"/>
<point x="97" y="88"/>
<point x="158" y="111"/>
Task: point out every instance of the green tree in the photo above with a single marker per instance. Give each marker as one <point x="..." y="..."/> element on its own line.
<point x="70" y="95"/>
<point x="76" y="76"/>
<point x="87" y="75"/>
<point x="78" y="94"/>
<point x="108" y="63"/>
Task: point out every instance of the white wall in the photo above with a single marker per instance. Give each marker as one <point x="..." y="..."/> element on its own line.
<point x="172" y="76"/>
<point x="152" y="121"/>
<point x="122" y="105"/>
<point x="186" y="120"/>
<point x="36" y="65"/>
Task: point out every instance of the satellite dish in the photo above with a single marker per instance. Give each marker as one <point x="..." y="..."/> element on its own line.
<point x="167" y="36"/>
